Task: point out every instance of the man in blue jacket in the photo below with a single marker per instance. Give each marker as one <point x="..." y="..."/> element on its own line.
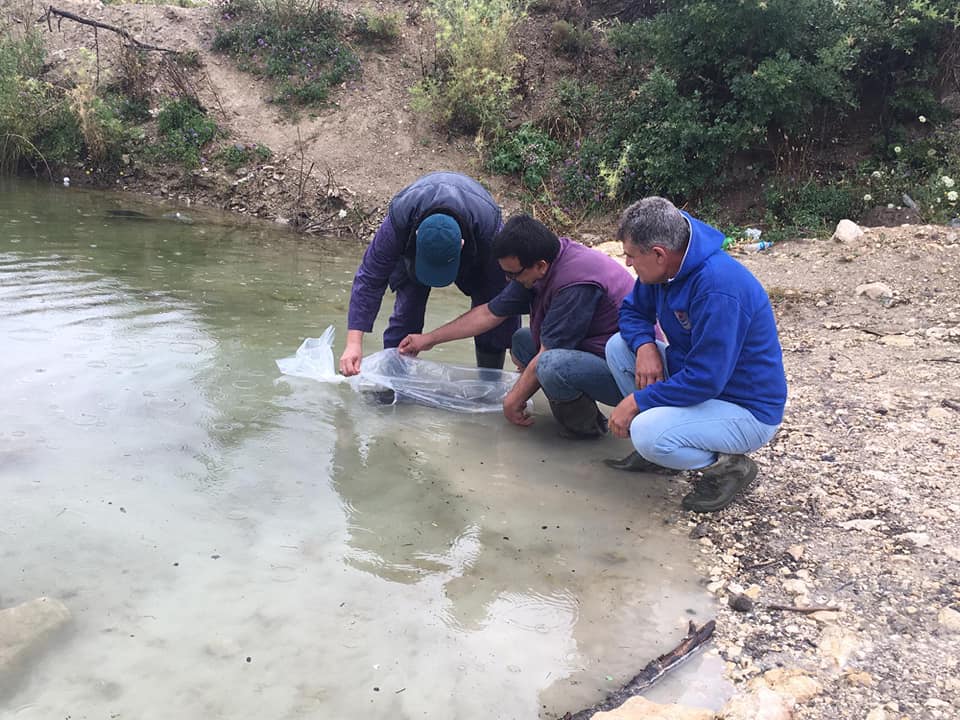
<point x="717" y="390"/>
<point x="438" y="231"/>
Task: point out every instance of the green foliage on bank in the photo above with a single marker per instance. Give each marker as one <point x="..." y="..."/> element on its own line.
<point x="472" y="83"/>
<point x="708" y="95"/>
<point x="297" y="45"/>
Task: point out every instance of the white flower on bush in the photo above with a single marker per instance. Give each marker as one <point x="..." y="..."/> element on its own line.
<point x="876" y="174"/>
<point x="868" y="197"/>
<point x="889" y="206"/>
<point x="897" y="149"/>
<point x="947" y="181"/>
<point x="922" y="119"/>
<point x="952" y="196"/>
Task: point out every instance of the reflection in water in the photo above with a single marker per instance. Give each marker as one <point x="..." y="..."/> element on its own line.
<point x="236" y="544"/>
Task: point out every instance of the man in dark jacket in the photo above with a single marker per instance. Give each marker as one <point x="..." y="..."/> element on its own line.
<point x="573" y="294"/>
<point x="438" y="231"/>
<point x="718" y="389"/>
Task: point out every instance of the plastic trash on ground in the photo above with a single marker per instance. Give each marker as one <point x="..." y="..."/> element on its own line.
<point x="447" y="387"/>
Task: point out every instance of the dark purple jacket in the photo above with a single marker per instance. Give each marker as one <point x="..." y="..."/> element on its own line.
<point x="577" y="264"/>
<point x="389" y="258"/>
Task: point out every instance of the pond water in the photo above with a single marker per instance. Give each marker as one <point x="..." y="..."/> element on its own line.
<point x="233" y="543"/>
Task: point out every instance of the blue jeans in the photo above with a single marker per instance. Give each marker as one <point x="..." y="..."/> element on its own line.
<point x="565" y="375"/>
<point x="685" y="438"/>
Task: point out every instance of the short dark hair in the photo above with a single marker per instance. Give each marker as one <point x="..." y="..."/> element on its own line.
<point x="526" y="239"/>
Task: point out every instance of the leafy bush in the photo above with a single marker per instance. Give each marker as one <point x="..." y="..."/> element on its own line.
<point x="528" y="152"/>
<point x="374" y="27"/>
<point x="568" y="39"/>
<point x="706" y="80"/>
<point x="25" y="102"/>
<point x="300" y="47"/>
<point x="472" y="85"/>
<point x="237" y="155"/>
<point x="813" y="204"/>
<point x="184" y="130"/>
<point x="926" y="169"/>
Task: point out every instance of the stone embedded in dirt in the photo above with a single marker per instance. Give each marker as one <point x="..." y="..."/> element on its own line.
<point x="903" y="341"/>
<point x="847" y="232"/>
<point x="859" y="677"/>
<point x="949" y="619"/>
<point x="837" y="645"/>
<point x="920" y="539"/>
<point x="795" y="586"/>
<point x="874" y="290"/>
<point x="741" y="603"/>
<point x="796" y="552"/>
<point x="639" y="708"/>
<point x="863" y="524"/>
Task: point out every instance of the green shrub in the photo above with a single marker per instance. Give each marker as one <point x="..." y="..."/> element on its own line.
<point x="184" y="130"/>
<point x="570" y="108"/>
<point x="813" y="204"/>
<point x="237" y="155"/>
<point x="373" y="27"/>
<point x="926" y="169"/>
<point x="298" y="47"/>
<point x="568" y="39"/>
<point x="26" y="103"/>
<point x="528" y="152"/>
<point x="472" y="86"/>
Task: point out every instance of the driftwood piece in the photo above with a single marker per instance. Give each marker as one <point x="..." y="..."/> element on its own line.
<point x="654" y="670"/>
<point x="62" y="15"/>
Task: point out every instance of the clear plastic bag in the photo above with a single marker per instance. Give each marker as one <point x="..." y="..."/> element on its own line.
<point x="448" y="387"/>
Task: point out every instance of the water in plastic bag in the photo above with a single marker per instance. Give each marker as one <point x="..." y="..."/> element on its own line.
<point x="448" y="387"/>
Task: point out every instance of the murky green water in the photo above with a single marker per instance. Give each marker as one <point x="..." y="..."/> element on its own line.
<point x="232" y="543"/>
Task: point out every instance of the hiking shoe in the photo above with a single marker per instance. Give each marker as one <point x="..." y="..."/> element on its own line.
<point x="635" y="462"/>
<point x="721" y="483"/>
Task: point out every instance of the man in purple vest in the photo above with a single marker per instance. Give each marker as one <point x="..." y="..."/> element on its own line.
<point x="438" y="231"/>
<point x="573" y="295"/>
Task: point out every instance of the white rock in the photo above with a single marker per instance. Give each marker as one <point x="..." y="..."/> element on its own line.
<point x="949" y="619"/>
<point x="874" y="291"/>
<point x="847" y="231"/>
<point x="920" y="539"/>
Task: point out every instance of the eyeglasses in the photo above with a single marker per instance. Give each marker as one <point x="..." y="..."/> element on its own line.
<point x="514" y="275"/>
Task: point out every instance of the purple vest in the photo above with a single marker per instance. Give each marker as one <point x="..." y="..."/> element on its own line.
<point x="577" y="264"/>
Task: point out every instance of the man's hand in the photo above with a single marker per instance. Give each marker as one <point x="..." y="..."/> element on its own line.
<point x="415" y="344"/>
<point x="649" y="369"/>
<point x="352" y="353"/>
<point x="515" y="410"/>
<point x="621" y="417"/>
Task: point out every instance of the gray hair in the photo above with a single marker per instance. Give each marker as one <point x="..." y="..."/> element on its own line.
<point x="654" y="221"/>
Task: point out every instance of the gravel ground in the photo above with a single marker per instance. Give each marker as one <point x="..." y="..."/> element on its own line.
<point x="856" y="507"/>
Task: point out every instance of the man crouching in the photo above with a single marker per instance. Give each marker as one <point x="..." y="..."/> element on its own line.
<point x="573" y="295"/>
<point x="716" y="390"/>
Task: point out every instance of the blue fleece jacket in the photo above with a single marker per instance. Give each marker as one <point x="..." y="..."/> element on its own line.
<point x="722" y="336"/>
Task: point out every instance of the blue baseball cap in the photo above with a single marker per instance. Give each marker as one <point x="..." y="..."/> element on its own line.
<point x="438" y="251"/>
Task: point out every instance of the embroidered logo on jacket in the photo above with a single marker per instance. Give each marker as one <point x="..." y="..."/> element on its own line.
<point x="683" y="319"/>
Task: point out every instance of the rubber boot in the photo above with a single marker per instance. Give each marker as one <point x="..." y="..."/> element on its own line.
<point x="580" y="418"/>
<point x="635" y="462"/>
<point x="721" y="483"/>
<point x="491" y="359"/>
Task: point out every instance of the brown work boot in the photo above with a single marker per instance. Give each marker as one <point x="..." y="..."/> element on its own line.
<point x="720" y="483"/>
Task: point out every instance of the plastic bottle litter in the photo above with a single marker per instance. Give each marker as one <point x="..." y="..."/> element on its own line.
<point x="909" y="202"/>
<point x="758" y="246"/>
<point x="727" y="242"/>
<point x="752" y="233"/>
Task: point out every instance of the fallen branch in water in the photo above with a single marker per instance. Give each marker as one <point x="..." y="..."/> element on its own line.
<point x="654" y="670"/>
